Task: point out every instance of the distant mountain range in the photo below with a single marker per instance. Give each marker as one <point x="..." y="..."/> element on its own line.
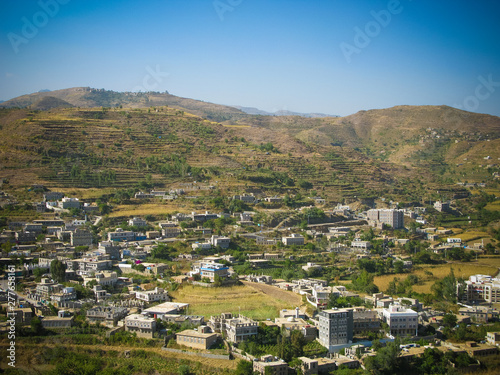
<point x="256" y="111"/>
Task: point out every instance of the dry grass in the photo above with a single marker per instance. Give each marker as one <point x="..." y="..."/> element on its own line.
<point x="214" y="301"/>
<point x="143" y="209"/>
<point x="429" y="274"/>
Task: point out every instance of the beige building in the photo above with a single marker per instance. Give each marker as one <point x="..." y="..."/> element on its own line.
<point x="277" y="366"/>
<point x="196" y="339"/>
<point x="140" y="325"/>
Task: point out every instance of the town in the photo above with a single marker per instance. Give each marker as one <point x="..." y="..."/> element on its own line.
<point x="77" y="272"/>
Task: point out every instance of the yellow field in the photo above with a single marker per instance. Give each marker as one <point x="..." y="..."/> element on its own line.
<point x="428" y="275"/>
<point x="214" y="301"/>
<point x="493" y="206"/>
<point x="142" y="209"/>
<point x="472" y="236"/>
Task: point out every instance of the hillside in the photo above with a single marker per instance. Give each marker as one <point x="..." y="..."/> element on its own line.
<point x="401" y="152"/>
<point x="87" y="97"/>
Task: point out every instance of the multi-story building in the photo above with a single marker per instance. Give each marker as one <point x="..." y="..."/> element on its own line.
<point x="221" y="241"/>
<point x="401" y="320"/>
<point x="294" y="239"/>
<point x="67" y="203"/>
<point x="394" y="218"/>
<point x="66" y="295"/>
<point x="121" y="235"/>
<point x="365" y="320"/>
<point x="236" y="329"/>
<point x="442" y="206"/>
<point x="273" y="365"/>
<point x="46" y="288"/>
<point x="107" y="315"/>
<point x="141" y="325"/>
<point x="155" y="295"/>
<point x="335" y="327"/>
<point x="209" y="270"/>
<point x="481" y="288"/>
<point x="81" y="237"/>
<point x="203" y="217"/>
<point x="103" y="278"/>
<point x="137" y="222"/>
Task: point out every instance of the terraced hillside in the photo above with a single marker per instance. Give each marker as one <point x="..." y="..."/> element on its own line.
<point x="404" y="151"/>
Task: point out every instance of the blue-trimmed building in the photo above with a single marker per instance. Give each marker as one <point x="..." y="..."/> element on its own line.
<point x="209" y="270"/>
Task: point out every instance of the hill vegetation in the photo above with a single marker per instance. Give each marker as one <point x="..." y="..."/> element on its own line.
<point x="96" y="138"/>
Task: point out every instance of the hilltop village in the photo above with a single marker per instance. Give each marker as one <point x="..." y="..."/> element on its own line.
<point x="73" y="270"/>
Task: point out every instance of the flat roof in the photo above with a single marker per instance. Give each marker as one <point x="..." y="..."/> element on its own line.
<point x="193" y="333"/>
<point x="166" y="308"/>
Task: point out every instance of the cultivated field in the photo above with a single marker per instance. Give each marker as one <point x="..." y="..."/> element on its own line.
<point x="249" y="301"/>
<point x="429" y="274"/>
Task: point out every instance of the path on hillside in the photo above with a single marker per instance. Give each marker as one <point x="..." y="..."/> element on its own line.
<point x="284" y="295"/>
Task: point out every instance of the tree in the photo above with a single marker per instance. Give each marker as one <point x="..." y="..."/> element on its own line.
<point x="58" y="270"/>
<point x="244" y="368"/>
<point x="449" y="320"/>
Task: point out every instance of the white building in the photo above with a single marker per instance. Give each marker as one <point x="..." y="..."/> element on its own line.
<point x="155" y="295"/>
<point x="222" y="242"/>
<point x="294" y="239"/>
<point x="137" y="222"/>
<point x="401" y="320"/>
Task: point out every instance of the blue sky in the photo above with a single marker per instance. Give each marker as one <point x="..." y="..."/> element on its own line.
<point x="330" y="56"/>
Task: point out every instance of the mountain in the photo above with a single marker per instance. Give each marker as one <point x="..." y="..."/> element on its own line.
<point x="49" y="102"/>
<point x="256" y="111"/>
<point x="97" y="138"/>
<point x="87" y="97"/>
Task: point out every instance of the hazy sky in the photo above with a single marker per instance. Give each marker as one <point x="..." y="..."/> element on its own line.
<point x="330" y="56"/>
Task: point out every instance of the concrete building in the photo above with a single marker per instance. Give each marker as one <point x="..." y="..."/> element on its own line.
<point x="67" y="203"/>
<point x="493" y="338"/>
<point x="221" y="241"/>
<point x="236" y="329"/>
<point x="81" y="237"/>
<point x="442" y="206"/>
<point x="137" y="222"/>
<point x="155" y="295"/>
<point x="107" y="315"/>
<point x="209" y="270"/>
<point x="481" y="288"/>
<point x="141" y="325"/>
<point x="335" y="327"/>
<point x="401" y="320"/>
<point x="121" y="235"/>
<point x="57" y="322"/>
<point x="196" y="339"/>
<point x="294" y="239"/>
<point x="394" y="218"/>
<point x="365" y="320"/>
<point x="277" y="366"/>
<point x="171" y="231"/>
